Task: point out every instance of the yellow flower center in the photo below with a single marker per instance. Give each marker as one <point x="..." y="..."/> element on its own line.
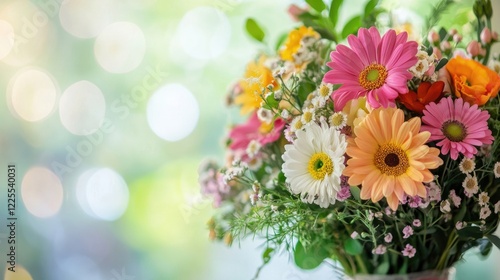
<point x="265" y="128"/>
<point x="468" y="165"/>
<point x="324" y="91"/>
<point x="373" y="76"/>
<point x="298" y="125"/>
<point x="470" y="183"/>
<point x="319" y="166"/>
<point x="454" y="131"/>
<point x="307" y="116"/>
<point x="337" y="119"/>
<point x="391" y="160"/>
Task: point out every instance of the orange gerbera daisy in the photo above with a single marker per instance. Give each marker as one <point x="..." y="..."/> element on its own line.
<point x="426" y="93"/>
<point x="389" y="157"/>
<point x="473" y="81"/>
<point x="254" y="84"/>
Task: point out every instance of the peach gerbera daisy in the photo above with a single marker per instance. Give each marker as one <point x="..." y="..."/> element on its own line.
<point x="389" y="157"/>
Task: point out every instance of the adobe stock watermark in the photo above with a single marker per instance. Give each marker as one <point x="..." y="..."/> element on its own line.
<point x="224" y="5"/>
<point x="30" y="25"/>
<point x="121" y="275"/>
<point x="290" y="275"/>
<point x="194" y="203"/>
<point x="121" y="108"/>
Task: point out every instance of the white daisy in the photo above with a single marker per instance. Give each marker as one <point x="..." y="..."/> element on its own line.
<point x="314" y="163"/>
<point x="470" y="185"/>
<point x="265" y="115"/>
<point x="308" y="116"/>
<point x="484" y="199"/>
<point x="338" y="120"/>
<point x="496" y="170"/>
<point x="296" y="124"/>
<point x="467" y="165"/>
<point x="325" y="90"/>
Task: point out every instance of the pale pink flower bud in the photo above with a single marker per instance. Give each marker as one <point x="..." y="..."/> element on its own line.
<point x="437" y="52"/>
<point x="474" y="48"/>
<point x="453" y="32"/>
<point x="445" y="45"/>
<point x="295" y="11"/>
<point x="457" y="38"/>
<point x="486" y="36"/>
<point x="494" y="36"/>
<point x="482" y="52"/>
<point x="433" y="37"/>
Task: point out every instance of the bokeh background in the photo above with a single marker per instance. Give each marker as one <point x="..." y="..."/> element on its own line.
<point x="108" y="107"/>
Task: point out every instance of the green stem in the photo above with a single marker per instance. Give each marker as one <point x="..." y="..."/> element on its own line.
<point x="361" y="264"/>
<point x="444" y="257"/>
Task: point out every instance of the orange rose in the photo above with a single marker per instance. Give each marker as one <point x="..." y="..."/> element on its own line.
<point x="472" y="81"/>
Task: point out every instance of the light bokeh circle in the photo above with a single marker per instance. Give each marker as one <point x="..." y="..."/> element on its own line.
<point x="120" y="47"/>
<point x="32" y="28"/>
<point x="204" y="33"/>
<point x="102" y="193"/>
<point x="82" y="108"/>
<point x="172" y="112"/>
<point x="32" y="94"/>
<point x="85" y="18"/>
<point x="42" y="192"/>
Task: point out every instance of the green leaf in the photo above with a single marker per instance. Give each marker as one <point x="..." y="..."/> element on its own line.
<point x="470" y="232"/>
<point x="353" y="247"/>
<point x="281" y="40"/>
<point x="403" y="268"/>
<point x="333" y="14"/>
<point x="441" y="63"/>
<point x="309" y="259"/>
<point x="254" y="30"/>
<point x="427" y="231"/>
<point x="370" y="6"/>
<point x="355" y="191"/>
<point x="352" y="26"/>
<point x="461" y="214"/>
<point x="430" y="50"/>
<point x="494" y="239"/>
<point x="271" y="101"/>
<point x="267" y="255"/>
<point x="318" y="5"/>
<point x="281" y="177"/>
<point x="383" y="268"/>
<point x="442" y="34"/>
<point x="303" y="91"/>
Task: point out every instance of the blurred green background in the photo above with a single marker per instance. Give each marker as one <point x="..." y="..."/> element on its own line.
<point x="109" y="107"/>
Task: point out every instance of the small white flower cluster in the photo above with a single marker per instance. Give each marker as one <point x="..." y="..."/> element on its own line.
<point x="425" y="65"/>
<point x="314" y="109"/>
<point x="308" y="50"/>
<point x="233" y="172"/>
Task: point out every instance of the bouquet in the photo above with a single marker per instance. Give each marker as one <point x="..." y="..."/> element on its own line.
<point x="365" y="146"/>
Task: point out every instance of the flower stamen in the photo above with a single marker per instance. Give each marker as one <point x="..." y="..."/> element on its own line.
<point x="453" y="130"/>
<point x="373" y="76"/>
<point x="391" y="160"/>
<point x="319" y="166"/>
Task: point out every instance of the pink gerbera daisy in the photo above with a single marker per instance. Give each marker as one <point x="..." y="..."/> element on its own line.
<point x="458" y="125"/>
<point x="374" y="67"/>
<point x="254" y="129"/>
